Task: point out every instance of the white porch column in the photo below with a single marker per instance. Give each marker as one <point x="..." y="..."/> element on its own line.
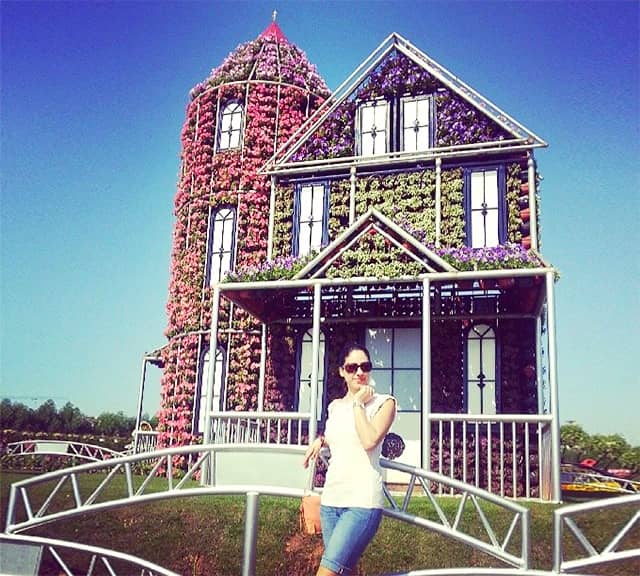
<point x="438" y="198"/>
<point x="426" y="375"/>
<point x="315" y="344"/>
<point x="263" y="367"/>
<point x="533" y="208"/>
<point x="352" y="196"/>
<point x="207" y="471"/>
<point x="553" y="388"/>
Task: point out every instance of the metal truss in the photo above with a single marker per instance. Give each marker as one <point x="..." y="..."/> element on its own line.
<point x="13" y="557"/>
<point x="612" y="551"/>
<point x="60" y="448"/>
<point x="150" y="476"/>
<point x="472" y="500"/>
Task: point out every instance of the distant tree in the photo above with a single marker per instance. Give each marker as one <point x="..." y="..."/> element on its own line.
<point x="607" y="450"/>
<point x="574" y="441"/>
<point x="73" y="421"/>
<point x="16" y="416"/>
<point x="47" y="418"/>
<point x="114" y="424"/>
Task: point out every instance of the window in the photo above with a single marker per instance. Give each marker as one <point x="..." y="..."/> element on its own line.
<point x="481" y="354"/>
<point x="486" y="220"/>
<point x="230" y="131"/>
<point x="396" y="357"/>
<point x="373" y="118"/>
<point x="310" y="216"/>
<point x="200" y="411"/>
<point x="221" y="241"/>
<point x="416" y="125"/>
<point x="305" y="355"/>
<point x="396" y="125"/>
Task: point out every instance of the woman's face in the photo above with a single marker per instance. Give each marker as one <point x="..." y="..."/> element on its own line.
<point x="358" y="378"/>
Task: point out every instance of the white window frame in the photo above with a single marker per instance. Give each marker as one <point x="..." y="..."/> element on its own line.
<point x="230" y="126"/>
<point x="221" y="244"/>
<point x="484" y="207"/>
<point x="204" y="384"/>
<point x="304" y="374"/>
<point x="390" y="371"/>
<point x="416" y="123"/>
<point x="311" y="215"/>
<point x="370" y="115"/>
<point x="481" y="379"/>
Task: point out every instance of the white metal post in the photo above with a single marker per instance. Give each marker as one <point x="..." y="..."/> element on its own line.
<point x="317" y="304"/>
<point x="438" y="198"/>
<point x="553" y="387"/>
<point x="213" y="346"/>
<point x="352" y="196"/>
<point x="533" y="208"/>
<point x="426" y="374"/>
<point x="263" y="367"/>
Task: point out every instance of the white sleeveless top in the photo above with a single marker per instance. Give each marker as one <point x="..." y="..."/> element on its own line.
<point x="354" y="477"/>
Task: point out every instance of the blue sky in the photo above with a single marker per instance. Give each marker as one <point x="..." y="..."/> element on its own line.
<point x="93" y="100"/>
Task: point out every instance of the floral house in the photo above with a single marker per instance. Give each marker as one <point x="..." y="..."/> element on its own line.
<point x="400" y="211"/>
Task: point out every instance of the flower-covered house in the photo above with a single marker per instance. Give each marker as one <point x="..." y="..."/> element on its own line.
<point x="400" y="211"/>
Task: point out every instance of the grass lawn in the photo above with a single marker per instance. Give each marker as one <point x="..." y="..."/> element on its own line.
<point x="203" y="536"/>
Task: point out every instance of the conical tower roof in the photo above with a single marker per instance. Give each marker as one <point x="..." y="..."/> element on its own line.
<point x="270" y="57"/>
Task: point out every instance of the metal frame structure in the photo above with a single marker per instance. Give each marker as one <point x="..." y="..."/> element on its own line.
<point x="263" y="299"/>
<point x="65" y="448"/>
<point x="11" y="543"/>
<point x="497" y="542"/>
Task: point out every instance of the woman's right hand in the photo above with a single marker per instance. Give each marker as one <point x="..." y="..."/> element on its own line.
<point x="312" y="452"/>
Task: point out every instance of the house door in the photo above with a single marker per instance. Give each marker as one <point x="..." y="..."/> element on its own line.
<point x="216" y="403"/>
<point x="397" y="368"/>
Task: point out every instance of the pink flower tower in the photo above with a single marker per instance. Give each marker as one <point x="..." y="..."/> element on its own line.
<point x="236" y="119"/>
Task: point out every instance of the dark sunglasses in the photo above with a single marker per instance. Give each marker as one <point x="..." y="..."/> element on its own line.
<point x="353" y="368"/>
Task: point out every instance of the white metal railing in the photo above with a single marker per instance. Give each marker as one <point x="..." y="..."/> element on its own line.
<point x="612" y="551"/>
<point x="142" y="478"/>
<point x="508" y="455"/>
<point x="14" y="560"/>
<point x="289" y="428"/>
<point x="60" y="448"/>
<point x="144" y="441"/>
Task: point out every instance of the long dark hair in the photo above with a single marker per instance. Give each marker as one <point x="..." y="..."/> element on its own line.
<point x="348" y="348"/>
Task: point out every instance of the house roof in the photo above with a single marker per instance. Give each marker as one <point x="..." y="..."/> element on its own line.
<point x="396" y="42"/>
<point x="374" y="221"/>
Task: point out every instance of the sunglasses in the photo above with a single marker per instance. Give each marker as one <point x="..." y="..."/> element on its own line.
<point x="353" y="368"/>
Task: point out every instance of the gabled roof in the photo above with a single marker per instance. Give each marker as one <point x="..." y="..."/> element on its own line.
<point x="396" y="42"/>
<point x="372" y="220"/>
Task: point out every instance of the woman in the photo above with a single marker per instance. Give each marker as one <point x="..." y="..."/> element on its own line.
<point x="352" y="498"/>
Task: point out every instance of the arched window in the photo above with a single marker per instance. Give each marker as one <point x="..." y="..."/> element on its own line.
<point x="221" y="241"/>
<point x="230" y="126"/>
<point x="200" y="411"/>
<point x="481" y="363"/>
<point x="305" y="355"/>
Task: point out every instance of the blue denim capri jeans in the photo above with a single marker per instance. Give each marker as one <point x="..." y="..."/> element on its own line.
<point x="346" y="532"/>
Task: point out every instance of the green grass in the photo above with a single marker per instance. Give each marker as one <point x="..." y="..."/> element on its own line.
<point x="203" y="536"/>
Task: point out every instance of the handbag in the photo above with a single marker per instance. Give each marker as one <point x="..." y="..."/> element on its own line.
<point x="310" y="514"/>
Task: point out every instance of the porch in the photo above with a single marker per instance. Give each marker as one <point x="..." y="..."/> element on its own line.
<point x="509" y="454"/>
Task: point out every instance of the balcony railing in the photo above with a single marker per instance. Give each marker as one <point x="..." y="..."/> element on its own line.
<point x="506" y="454"/>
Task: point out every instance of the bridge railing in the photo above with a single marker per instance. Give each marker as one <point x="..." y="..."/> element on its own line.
<point x="61" y="448"/>
<point x="567" y="522"/>
<point x="25" y="555"/>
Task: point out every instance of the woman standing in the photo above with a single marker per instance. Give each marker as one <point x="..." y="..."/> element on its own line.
<point x="352" y="498"/>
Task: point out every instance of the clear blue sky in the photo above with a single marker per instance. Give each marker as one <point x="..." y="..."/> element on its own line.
<point x="93" y="100"/>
